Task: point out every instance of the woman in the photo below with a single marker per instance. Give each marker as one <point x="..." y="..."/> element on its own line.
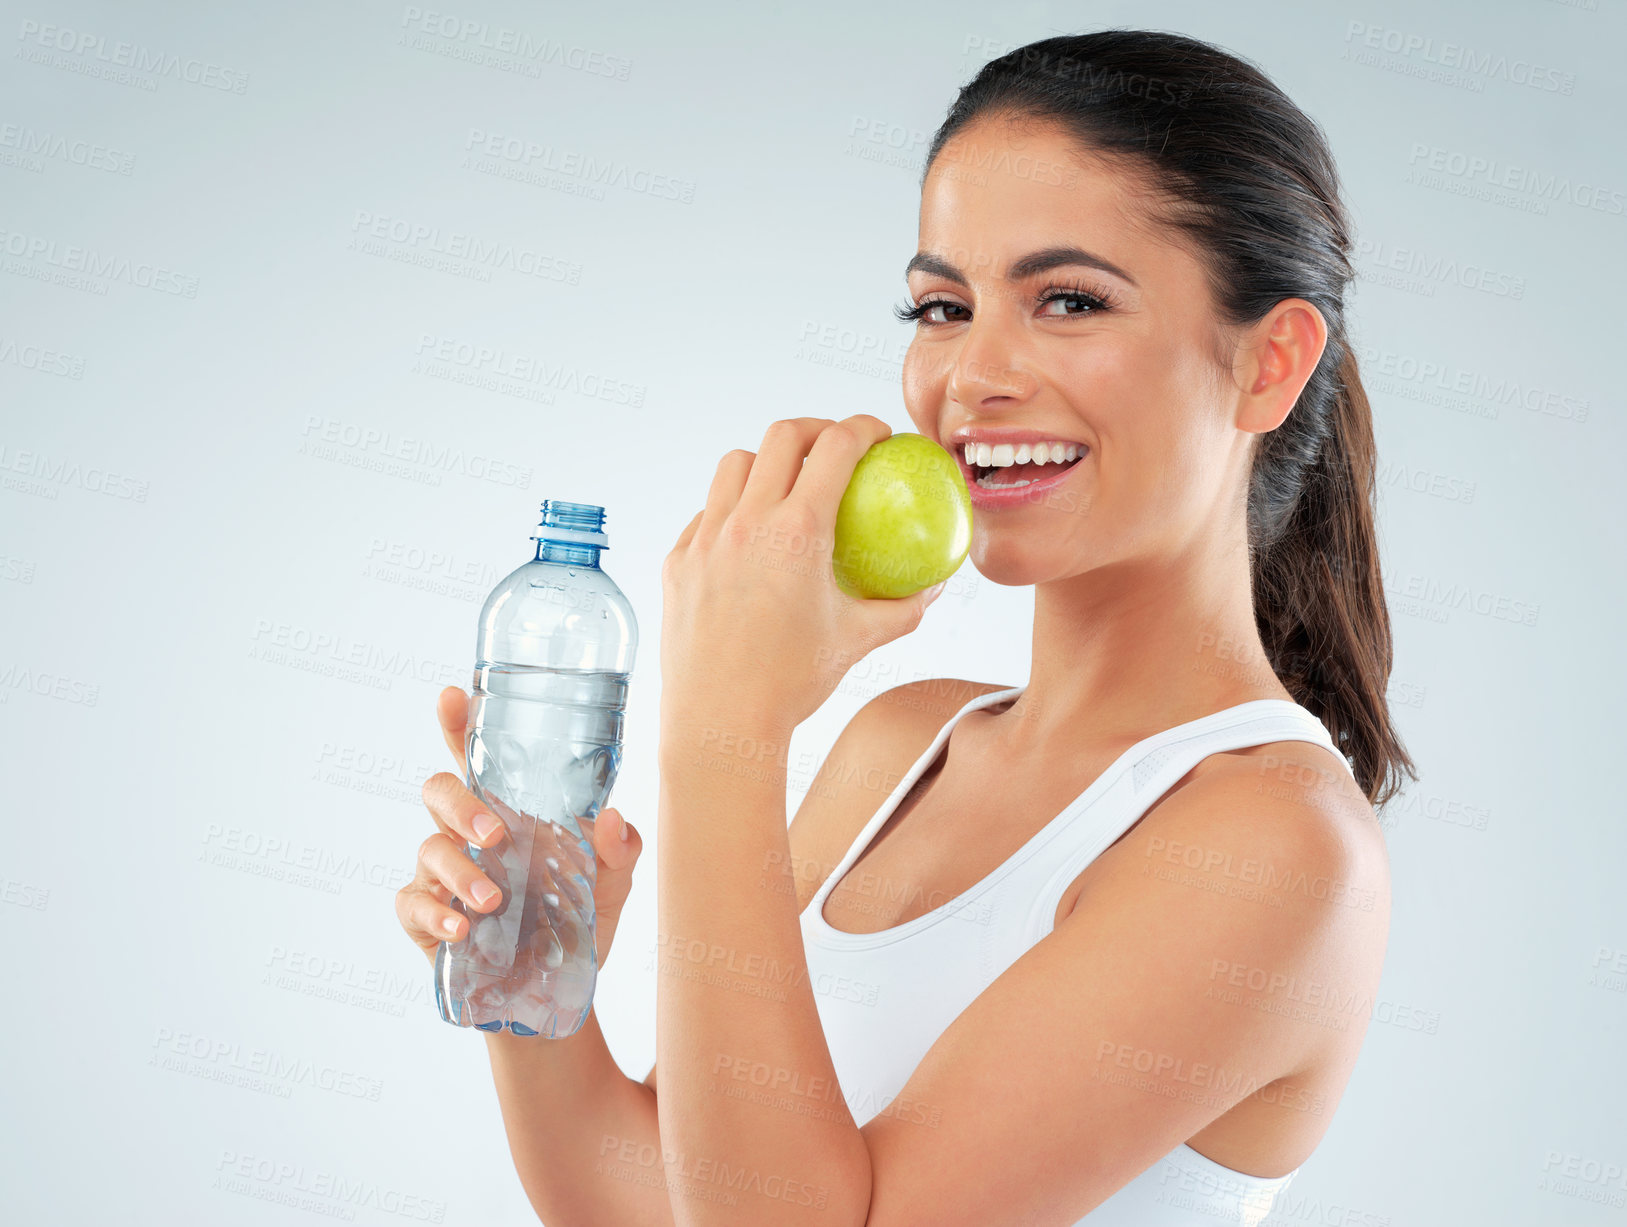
<point x="1112" y="942"/>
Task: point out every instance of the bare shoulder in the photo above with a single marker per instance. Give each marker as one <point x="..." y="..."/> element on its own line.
<point x="1306" y="789"/>
<point x="1282" y="830"/>
<point x="1292" y="799"/>
<point x="868" y="759"/>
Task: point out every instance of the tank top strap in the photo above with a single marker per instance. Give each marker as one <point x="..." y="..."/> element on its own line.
<point x="861" y="841"/>
<point x="1128" y="788"/>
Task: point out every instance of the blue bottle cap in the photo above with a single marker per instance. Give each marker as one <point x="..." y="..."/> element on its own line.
<point x="575" y="523"/>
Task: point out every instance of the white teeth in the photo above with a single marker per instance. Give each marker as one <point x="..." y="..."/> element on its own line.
<point x="1001" y="455"/>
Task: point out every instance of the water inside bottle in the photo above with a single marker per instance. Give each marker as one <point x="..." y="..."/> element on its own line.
<point x="544" y="746"/>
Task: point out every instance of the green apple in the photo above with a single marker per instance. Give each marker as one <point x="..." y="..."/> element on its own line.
<point x="905" y="520"/>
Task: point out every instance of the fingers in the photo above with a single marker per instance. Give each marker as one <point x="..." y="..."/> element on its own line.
<point x="614" y="882"/>
<point x="617" y="854"/>
<point x="724" y="493"/>
<point x="835" y="454"/>
<point x="424" y="905"/>
<point x="779" y="460"/>
<point x="426" y="917"/>
<point x="889" y="618"/>
<point x="459" y="813"/>
<point x="685" y="537"/>
<point x="452" y="710"/>
<point x="443" y="864"/>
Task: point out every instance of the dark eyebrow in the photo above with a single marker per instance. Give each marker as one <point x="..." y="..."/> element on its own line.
<point x="1035" y="262"/>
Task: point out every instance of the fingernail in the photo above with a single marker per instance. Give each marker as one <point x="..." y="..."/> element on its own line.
<point x="935" y="591"/>
<point x="450" y="924"/>
<point x="485" y="824"/>
<point x="625" y="833"/>
<point x="483" y="892"/>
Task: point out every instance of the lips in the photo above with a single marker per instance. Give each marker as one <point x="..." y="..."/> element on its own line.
<point x="1043" y="481"/>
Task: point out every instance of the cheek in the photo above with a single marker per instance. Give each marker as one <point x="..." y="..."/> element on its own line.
<point x="924" y="384"/>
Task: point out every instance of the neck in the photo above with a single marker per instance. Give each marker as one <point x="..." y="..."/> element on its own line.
<point x="568" y="552"/>
<point x="1139" y="646"/>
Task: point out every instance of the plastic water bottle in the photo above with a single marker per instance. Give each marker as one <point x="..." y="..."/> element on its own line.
<point x="552" y="659"/>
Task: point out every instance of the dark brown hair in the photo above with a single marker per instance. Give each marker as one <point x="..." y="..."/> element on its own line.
<point x="1248" y="178"/>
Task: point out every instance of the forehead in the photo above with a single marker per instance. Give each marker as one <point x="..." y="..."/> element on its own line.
<point x="1000" y="188"/>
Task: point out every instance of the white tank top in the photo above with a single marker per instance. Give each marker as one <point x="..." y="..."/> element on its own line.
<point x="884" y="998"/>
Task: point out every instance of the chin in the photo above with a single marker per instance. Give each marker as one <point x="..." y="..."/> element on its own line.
<point x="1010" y="568"/>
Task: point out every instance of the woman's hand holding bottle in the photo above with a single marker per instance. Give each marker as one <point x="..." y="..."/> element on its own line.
<point x="445" y="870"/>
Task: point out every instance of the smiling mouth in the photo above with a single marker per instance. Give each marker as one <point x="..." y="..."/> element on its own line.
<point x="1014" y="475"/>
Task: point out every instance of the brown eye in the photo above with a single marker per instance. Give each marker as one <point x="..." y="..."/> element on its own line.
<point x="1078" y="303"/>
<point x="928" y="310"/>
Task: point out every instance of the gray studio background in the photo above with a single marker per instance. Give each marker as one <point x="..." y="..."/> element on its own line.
<point x="266" y="445"/>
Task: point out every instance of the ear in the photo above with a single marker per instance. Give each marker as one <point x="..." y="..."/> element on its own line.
<point x="1277" y="360"/>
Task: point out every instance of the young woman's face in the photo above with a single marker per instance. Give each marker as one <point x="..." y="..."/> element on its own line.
<point x="1118" y="360"/>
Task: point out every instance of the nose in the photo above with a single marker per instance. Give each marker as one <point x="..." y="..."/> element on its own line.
<point x="987" y="373"/>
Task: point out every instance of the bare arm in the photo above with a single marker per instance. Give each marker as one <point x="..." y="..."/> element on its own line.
<point x="600" y="1162"/>
<point x="583" y="1135"/>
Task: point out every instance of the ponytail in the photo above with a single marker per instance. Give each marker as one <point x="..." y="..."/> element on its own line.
<point x="1318" y="587"/>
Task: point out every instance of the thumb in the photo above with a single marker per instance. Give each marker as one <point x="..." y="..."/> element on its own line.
<point x="615" y="840"/>
<point x="895" y="617"/>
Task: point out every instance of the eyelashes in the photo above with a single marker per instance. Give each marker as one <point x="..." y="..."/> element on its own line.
<point x="1094" y="301"/>
<point x="912" y="315"/>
